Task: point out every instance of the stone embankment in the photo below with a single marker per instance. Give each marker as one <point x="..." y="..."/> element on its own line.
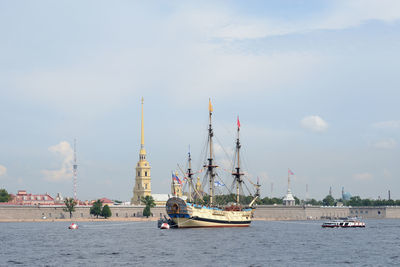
<point x="134" y="213"/>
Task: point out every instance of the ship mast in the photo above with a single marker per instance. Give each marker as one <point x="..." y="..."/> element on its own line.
<point x="238" y="174"/>
<point x="210" y="166"/>
<point x="189" y="173"/>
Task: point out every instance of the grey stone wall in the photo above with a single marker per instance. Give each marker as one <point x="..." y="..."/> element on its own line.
<point x="280" y="212"/>
<point x="56" y="212"/>
<point x="266" y="212"/>
<point x="369" y="212"/>
<point x="392" y="212"/>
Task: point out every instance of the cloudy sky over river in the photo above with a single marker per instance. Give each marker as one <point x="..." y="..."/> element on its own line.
<point x="315" y="84"/>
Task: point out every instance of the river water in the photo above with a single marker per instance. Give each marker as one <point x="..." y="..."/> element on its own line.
<point x="276" y="243"/>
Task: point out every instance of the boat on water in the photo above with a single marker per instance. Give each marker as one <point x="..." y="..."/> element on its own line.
<point x="347" y="223"/>
<point x="195" y="211"/>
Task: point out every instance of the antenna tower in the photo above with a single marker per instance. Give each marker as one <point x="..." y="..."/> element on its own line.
<point x="75" y="166"/>
<point x="307" y="192"/>
<point x="272" y="189"/>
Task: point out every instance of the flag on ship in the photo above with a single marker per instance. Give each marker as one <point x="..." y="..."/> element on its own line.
<point x="218" y="183"/>
<point x="290" y="172"/>
<point x="176" y="178"/>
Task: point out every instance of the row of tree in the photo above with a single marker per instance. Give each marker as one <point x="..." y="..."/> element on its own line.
<point x="4" y="196"/>
<point x="357" y="201"/>
<point x="97" y="208"/>
<point x="327" y="201"/>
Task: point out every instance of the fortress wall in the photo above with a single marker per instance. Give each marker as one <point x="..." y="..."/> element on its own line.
<point x="135" y="211"/>
<point x="31" y="212"/>
<point x="262" y="212"/>
<point x="392" y="212"/>
<point x="279" y="212"/>
<point x="56" y="212"/>
<point x="317" y="213"/>
<point x="368" y="212"/>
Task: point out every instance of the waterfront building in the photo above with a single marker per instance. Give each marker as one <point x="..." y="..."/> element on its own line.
<point x="142" y="186"/>
<point x="24" y="198"/>
<point x="59" y="199"/>
<point x="160" y="199"/>
<point x="289" y="200"/>
<point x="105" y="201"/>
<point x="345" y="195"/>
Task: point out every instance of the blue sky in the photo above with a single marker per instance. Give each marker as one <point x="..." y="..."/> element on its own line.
<point x="315" y="84"/>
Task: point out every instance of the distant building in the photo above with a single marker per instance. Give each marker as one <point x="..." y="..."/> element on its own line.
<point x="142" y="186"/>
<point x="106" y="201"/>
<point x="289" y="200"/>
<point x="59" y="199"/>
<point x="160" y="199"/>
<point x="23" y="198"/>
<point x="345" y="195"/>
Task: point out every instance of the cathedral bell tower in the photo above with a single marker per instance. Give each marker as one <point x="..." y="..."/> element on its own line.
<point x="142" y="186"/>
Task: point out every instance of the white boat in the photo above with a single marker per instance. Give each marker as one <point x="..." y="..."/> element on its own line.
<point x="195" y="212"/>
<point x="348" y="223"/>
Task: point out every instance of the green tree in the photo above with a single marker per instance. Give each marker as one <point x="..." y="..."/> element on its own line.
<point x="70" y="204"/>
<point x="149" y="202"/>
<point x="355" y="201"/>
<point x="106" y="211"/>
<point x="96" y="208"/>
<point x="4" y="196"/>
<point x="314" y="202"/>
<point x="328" y="201"/>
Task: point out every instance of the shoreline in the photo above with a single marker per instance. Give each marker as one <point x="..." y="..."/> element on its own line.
<point x="151" y="219"/>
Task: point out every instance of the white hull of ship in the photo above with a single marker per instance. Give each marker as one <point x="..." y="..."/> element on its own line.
<point x="205" y="217"/>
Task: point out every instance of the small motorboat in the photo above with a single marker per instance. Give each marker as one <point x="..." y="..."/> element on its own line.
<point x="73" y="226"/>
<point x="164" y="226"/>
<point x="164" y="223"/>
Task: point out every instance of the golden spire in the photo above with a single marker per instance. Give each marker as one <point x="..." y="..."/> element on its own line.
<point x="142" y="150"/>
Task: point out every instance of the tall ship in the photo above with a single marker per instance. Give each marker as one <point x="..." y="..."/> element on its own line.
<point x="201" y="209"/>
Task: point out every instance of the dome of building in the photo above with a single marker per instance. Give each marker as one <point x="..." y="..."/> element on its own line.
<point x="346" y="196"/>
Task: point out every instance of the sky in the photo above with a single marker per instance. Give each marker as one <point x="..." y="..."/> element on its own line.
<point x="315" y="84"/>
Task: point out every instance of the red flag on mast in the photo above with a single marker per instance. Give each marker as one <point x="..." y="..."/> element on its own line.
<point x="238" y="122"/>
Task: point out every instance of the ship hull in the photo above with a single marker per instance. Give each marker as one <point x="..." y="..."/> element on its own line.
<point x="187" y="215"/>
<point x="206" y="223"/>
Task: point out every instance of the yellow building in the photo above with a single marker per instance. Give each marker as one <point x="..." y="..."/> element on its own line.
<point x="142" y="185"/>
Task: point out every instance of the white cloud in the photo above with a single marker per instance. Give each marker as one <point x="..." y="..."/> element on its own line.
<point x="314" y="123"/>
<point x="342" y="15"/>
<point x="387" y="125"/>
<point x="389" y="143"/>
<point x="3" y="170"/>
<point x="63" y="151"/>
<point x="363" y="176"/>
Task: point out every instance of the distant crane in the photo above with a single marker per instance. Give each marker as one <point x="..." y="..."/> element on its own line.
<point x="75" y="170"/>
